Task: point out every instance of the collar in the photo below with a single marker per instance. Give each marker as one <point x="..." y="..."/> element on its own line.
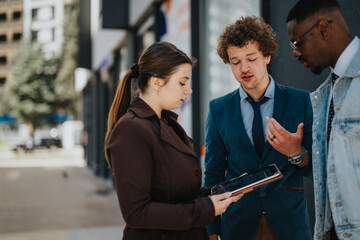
<point x="141" y="109"/>
<point x="346" y="57"/>
<point x="269" y="92"/>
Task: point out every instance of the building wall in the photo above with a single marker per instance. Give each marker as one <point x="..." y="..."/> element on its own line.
<point x="10" y="28"/>
<point x="43" y="21"/>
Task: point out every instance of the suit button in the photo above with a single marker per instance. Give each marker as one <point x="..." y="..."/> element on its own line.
<point x="347" y="235"/>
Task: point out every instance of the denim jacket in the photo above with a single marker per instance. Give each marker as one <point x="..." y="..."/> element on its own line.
<point x="336" y="167"/>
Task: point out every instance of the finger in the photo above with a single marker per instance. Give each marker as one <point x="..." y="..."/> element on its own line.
<point x="270" y="136"/>
<point x="300" y="129"/>
<point x="270" y="130"/>
<point x="222" y="196"/>
<point x="235" y="198"/>
<point x="273" y="131"/>
<point x="279" y="131"/>
<point x="277" y="125"/>
<point x="227" y="201"/>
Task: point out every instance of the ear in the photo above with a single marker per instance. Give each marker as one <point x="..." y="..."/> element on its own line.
<point x="267" y="59"/>
<point x="324" y="28"/>
<point x="156" y="83"/>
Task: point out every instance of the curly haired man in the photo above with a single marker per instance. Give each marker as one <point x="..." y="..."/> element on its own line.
<point x="258" y="124"/>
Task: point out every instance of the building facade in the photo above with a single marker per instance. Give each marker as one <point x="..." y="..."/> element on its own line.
<point x="43" y="21"/>
<point x="11" y="34"/>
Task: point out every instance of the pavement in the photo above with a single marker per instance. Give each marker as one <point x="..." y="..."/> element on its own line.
<point x="52" y="195"/>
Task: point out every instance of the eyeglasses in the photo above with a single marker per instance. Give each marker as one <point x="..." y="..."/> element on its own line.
<point x="295" y="44"/>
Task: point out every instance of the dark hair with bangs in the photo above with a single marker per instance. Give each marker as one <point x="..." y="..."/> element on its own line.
<point x="306" y="8"/>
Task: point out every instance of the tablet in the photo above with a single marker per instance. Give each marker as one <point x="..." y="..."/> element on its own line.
<point x="247" y="183"/>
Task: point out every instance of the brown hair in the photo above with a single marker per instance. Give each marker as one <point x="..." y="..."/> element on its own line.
<point x="245" y="30"/>
<point x="160" y="60"/>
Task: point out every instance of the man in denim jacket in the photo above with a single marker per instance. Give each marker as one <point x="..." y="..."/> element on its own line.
<point x="320" y="38"/>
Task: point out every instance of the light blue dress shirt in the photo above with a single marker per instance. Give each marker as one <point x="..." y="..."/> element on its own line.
<point x="266" y="109"/>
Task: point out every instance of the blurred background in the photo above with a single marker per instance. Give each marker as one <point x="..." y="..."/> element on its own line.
<point x="60" y="64"/>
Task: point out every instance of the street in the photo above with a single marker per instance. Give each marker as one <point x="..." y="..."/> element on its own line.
<point x="51" y="194"/>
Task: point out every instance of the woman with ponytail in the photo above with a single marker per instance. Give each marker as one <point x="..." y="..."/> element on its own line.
<point x="156" y="172"/>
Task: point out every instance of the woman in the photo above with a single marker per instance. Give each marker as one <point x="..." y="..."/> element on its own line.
<point x="156" y="172"/>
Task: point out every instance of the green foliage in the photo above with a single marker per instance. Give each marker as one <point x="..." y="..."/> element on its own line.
<point x="31" y="89"/>
<point x="40" y="87"/>
<point x="65" y="82"/>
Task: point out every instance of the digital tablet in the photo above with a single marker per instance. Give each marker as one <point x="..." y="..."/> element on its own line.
<point x="247" y="183"/>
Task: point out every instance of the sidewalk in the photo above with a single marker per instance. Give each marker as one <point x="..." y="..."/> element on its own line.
<point x="52" y="195"/>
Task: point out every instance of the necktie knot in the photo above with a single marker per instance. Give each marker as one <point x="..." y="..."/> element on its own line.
<point x="256" y="104"/>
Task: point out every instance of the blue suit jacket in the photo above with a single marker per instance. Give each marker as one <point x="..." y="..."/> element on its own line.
<point x="230" y="153"/>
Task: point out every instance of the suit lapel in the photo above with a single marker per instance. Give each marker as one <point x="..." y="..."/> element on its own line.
<point x="238" y="122"/>
<point x="168" y="135"/>
<point x="280" y="102"/>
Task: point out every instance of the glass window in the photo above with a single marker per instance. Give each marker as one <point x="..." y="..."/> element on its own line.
<point x="34" y="13"/>
<point x="16" y="16"/>
<point x="2" y="17"/>
<point x="3" y="60"/>
<point x="52" y="12"/>
<point x="16" y="37"/>
<point x="53" y="32"/>
<point x="2" y="39"/>
<point x="34" y="36"/>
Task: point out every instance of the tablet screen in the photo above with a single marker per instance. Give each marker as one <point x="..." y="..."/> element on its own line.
<point x="249" y="179"/>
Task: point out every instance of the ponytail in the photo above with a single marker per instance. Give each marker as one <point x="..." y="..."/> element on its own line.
<point x="119" y="107"/>
<point x="161" y="60"/>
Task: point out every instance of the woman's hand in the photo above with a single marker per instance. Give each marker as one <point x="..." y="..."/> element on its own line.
<point x="222" y="201"/>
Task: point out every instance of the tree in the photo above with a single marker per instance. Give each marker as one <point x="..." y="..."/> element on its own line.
<point x="40" y="88"/>
<point x="32" y="86"/>
<point x="65" y="81"/>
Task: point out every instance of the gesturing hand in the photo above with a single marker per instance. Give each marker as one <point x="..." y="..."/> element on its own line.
<point x="282" y="140"/>
<point x="222" y="201"/>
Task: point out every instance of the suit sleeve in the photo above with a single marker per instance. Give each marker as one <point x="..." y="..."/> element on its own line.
<point x="215" y="162"/>
<point x="130" y="149"/>
<point x="307" y="135"/>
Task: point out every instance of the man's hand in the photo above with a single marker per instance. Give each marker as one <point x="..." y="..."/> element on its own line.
<point x="283" y="141"/>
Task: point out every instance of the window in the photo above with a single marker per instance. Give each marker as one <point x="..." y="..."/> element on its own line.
<point x="2" y="17"/>
<point x="3" y="60"/>
<point x="53" y="32"/>
<point x="52" y="12"/>
<point x="2" y="79"/>
<point x="34" y="36"/>
<point x="2" y="39"/>
<point x="16" y="16"/>
<point x="34" y="13"/>
<point x="16" y="37"/>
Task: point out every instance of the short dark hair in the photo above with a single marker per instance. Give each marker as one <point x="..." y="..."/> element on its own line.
<point x="306" y="8"/>
<point x="245" y="30"/>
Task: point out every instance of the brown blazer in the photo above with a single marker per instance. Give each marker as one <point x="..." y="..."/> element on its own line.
<point x="157" y="177"/>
